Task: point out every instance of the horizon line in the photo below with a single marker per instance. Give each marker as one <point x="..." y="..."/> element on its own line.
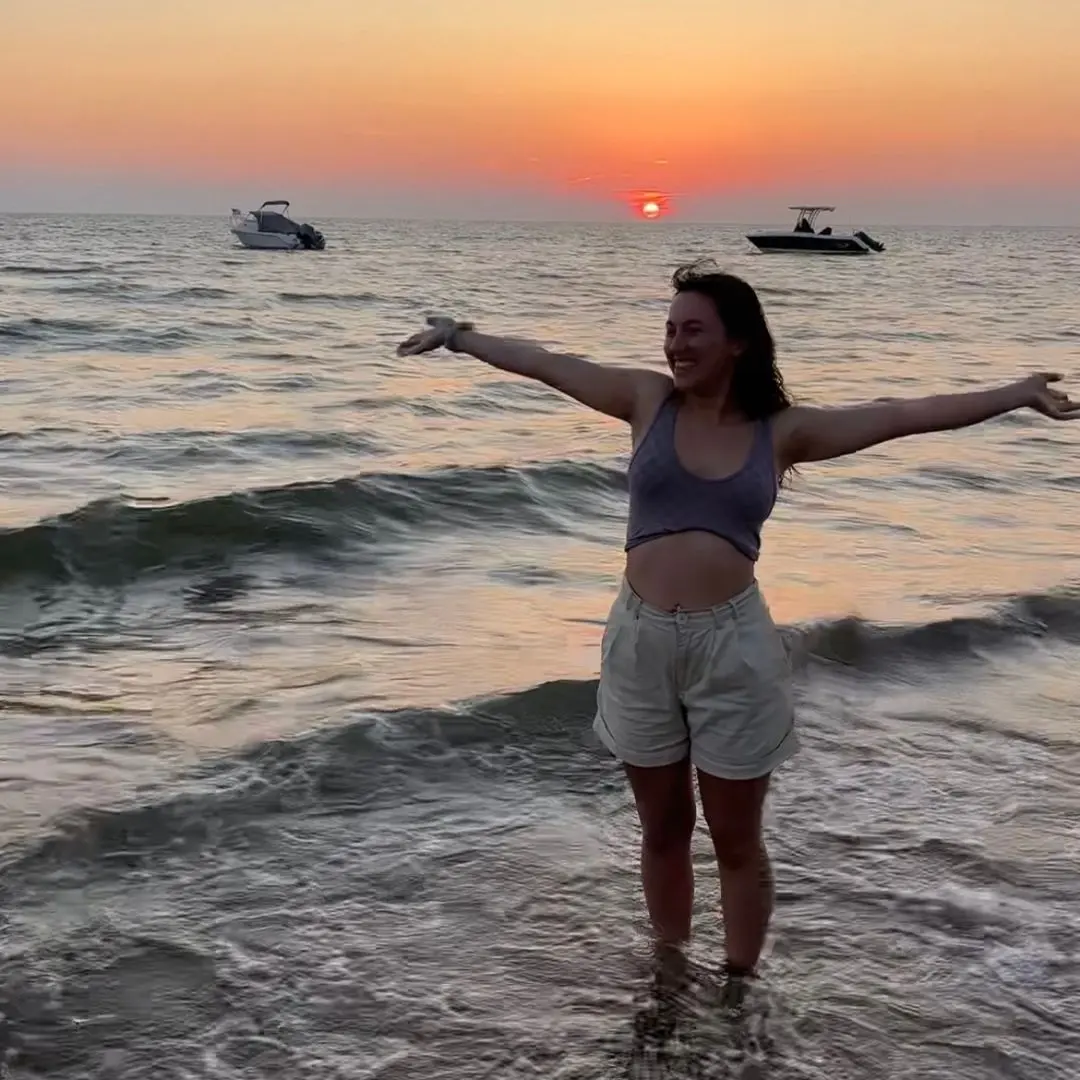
<point x="467" y="220"/>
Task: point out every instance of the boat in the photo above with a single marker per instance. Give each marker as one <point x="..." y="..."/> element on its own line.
<point x="271" y="229"/>
<point x="804" y="239"/>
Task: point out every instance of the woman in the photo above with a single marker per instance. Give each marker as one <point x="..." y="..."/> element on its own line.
<point x="693" y="671"/>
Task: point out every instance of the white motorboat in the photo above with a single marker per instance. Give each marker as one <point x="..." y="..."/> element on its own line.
<point x="803" y="238"/>
<point x="273" y="230"/>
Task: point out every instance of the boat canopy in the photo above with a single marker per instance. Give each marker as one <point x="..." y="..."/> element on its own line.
<point x="807" y="215"/>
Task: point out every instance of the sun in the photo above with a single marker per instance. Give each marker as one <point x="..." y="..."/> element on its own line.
<point x="648" y="204"/>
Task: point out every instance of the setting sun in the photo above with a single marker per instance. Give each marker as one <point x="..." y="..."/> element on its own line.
<point x="648" y="204"/>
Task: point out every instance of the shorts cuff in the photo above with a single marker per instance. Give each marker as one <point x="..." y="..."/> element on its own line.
<point x="748" y="770"/>
<point x="655" y="760"/>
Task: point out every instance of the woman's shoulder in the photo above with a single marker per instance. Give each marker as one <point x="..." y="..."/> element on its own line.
<point x="654" y="388"/>
<point x="658" y="383"/>
<point x="783" y="419"/>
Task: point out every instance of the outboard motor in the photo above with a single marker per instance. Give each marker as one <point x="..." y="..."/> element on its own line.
<point x="870" y="242"/>
<point x="310" y="238"/>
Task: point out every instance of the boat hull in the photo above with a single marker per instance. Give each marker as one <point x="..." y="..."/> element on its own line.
<point x="266" y="241"/>
<point x="800" y="243"/>
<point x="268" y="230"/>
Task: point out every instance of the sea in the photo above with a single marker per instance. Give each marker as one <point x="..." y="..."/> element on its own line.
<point x="299" y="644"/>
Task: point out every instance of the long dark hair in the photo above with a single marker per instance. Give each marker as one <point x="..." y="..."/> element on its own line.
<point x="757" y="386"/>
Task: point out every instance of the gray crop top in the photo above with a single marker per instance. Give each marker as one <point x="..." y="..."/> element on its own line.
<point x="666" y="498"/>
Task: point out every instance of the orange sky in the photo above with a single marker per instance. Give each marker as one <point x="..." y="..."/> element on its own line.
<point x="698" y="97"/>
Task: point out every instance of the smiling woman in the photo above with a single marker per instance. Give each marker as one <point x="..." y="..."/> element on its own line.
<point x="693" y="673"/>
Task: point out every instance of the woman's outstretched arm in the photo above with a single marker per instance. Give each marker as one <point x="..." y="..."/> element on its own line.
<point x="622" y="392"/>
<point x="814" y="434"/>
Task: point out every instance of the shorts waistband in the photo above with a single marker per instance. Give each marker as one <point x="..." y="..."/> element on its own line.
<point x="730" y="609"/>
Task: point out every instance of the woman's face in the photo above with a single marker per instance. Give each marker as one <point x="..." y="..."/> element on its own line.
<point x="696" y="344"/>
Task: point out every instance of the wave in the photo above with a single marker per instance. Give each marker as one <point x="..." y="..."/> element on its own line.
<point x="540" y="737"/>
<point x="99" y="336"/>
<point x="328" y="298"/>
<point x="36" y="328"/>
<point x="176" y="449"/>
<point x="112" y="541"/>
<point x="199" y="292"/>
<point x="874" y="647"/>
<point x="52" y="271"/>
<point x="111" y="290"/>
<point x="373" y="761"/>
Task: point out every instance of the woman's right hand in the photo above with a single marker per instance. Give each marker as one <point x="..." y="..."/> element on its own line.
<point x="441" y="328"/>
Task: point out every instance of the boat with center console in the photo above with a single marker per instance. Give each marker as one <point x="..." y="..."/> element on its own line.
<point x="803" y="239"/>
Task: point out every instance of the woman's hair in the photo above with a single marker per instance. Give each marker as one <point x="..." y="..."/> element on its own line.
<point x="756" y="385"/>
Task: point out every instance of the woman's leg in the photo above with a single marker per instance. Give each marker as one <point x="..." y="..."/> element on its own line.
<point x="733" y="811"/>
<point x="664" y="796"/>
<point x="640" y="720"/>
<point x="740" y="711"/>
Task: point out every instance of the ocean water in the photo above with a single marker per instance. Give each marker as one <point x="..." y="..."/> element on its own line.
<point x="298" y="647"/>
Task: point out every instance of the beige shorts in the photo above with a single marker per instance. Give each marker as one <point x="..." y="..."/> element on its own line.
<point x="714" y="685"/>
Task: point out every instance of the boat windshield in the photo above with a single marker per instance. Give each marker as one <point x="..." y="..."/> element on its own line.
<point x="269" y="221"/>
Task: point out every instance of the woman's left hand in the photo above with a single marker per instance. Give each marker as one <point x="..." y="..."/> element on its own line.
<point x="1049" y="401"/>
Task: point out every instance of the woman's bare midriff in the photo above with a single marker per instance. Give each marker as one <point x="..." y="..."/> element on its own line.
<point x="687" y="571"/>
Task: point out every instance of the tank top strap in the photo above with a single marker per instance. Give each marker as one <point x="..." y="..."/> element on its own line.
<point x="669" y="409"/>
<point x="763" y="430"/>
<point x="661" y="427"/>
<point x="763" y="451"/>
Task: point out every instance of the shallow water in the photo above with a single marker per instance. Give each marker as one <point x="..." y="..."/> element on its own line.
<point x="297" y="646"/>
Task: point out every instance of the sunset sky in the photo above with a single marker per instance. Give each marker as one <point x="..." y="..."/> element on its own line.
<point x="897" y="110"/>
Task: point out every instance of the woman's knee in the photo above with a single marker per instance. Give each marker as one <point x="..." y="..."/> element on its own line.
<point x="733" y="810"/>
<point x="669" y="828"/>
<point x="737" y="848"/>
<point x="666" y="807"/>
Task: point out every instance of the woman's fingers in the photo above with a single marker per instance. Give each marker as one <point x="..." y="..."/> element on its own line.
<point x="422" y="342"/>
<point x="426" y="340"/>
<point x="411" y="345"/>
<point x="1062" y="410"/>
